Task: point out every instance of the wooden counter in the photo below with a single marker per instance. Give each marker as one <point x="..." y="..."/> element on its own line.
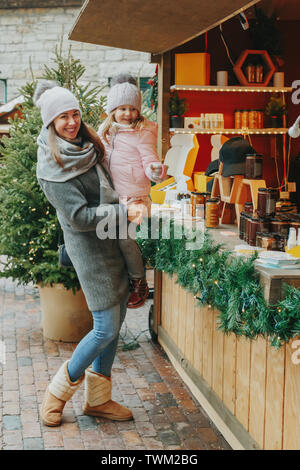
<point x="248" y="388"/>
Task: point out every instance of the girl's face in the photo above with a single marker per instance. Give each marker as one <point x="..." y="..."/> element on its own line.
<point x="68" y="124"/>
<point x="126" y="114"/>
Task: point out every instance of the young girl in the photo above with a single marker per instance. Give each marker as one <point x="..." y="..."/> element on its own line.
<point x="75" y="182"/>
<point x="130" y="144"/>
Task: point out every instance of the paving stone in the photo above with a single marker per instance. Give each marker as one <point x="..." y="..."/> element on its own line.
<point x="168" y="437"/>
<point x="11" y="423"/>
<point x="165" y="414"/>
<point x="166" y="399"/>
<point x="87" y="422"/>
<point x="24" y="361"/>
<point x="33" y="443"/>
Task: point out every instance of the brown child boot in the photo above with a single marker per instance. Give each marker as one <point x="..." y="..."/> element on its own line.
<point x="139" y="292"/>
<point x="98" y="398"/>
<point x="58" y="392"/>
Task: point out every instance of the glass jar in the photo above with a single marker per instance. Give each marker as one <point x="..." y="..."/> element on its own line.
<point x="254" y="166"/>
<point x="250" y="73"/>
<point x="242" y="226"/>
<point x="246" y="230"/>
<point x="212" y="213"/>
<point x="252" y="119"/>
<point x="264" y="224"/>
<point x="238" y="119"/>
<point x="245" y="118"/>
<point x="260" y="119"/>
<point x="248" y="207"/>
<point x="267" y="241"/>
<point x="280" y="226"/>
<point x="197" y="202"/>
<point x="281" y="241"/>
<point x="254" y="227"/>
<point x="266" y="202"/>
<point x="259" y="73"/>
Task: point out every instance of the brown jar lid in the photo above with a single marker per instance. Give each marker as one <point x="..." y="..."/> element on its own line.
<point x="213" y="199"/>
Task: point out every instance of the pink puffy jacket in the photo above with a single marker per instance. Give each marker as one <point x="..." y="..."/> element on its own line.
<point x="129" y="155"/>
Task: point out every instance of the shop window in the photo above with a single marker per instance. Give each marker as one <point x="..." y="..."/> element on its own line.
<point x="3" y="91"/>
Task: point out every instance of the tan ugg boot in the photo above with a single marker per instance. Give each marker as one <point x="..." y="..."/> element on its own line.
<point x="98" y="398"/>
<point x="58" y="392"/>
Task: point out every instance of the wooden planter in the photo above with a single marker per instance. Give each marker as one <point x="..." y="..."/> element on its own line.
<point x="65" y="316"/>
<point x="250" y="390"/>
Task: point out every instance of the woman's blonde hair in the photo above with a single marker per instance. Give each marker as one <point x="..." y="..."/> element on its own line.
<point x="86" y="132"/>
<point x="139" y="123"/>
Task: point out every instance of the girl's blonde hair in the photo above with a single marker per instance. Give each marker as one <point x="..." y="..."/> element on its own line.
<point x="139" y="123"/>
<point x="86" y="132"/>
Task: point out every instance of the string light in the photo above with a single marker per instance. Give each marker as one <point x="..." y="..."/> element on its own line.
<point x="232" y="88"/>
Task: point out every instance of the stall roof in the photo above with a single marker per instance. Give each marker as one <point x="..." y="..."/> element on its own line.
<point x="11" y="106"/>
<point x="156" y="26"/>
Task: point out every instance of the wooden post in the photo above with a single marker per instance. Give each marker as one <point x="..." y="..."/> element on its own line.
<point x="164" y="82"/>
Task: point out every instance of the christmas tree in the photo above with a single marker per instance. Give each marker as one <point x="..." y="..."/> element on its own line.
<point x="29" y="229"/>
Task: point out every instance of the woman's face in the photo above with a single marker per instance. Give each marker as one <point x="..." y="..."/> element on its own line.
<point x="67" y="124"/>
<point x="126" y="114"/>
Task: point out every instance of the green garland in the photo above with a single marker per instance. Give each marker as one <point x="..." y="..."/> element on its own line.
<point x="230" y="284"/>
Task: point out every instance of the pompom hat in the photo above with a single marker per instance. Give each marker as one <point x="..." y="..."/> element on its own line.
<point x="123" y="91"/>
<point x="53" y="100"/>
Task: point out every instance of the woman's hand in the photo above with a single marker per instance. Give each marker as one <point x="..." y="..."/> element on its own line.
<point x="136" y="211"/>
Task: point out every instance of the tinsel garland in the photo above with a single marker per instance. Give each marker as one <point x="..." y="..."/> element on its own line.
<point x="217" y="277"/>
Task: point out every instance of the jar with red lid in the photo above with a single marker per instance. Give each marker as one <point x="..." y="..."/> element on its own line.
<point x="266" y="201"/>
<point x="254" y="166"/>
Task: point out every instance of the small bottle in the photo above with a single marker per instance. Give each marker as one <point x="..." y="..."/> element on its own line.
<point x="292" y="241"/>
<point x="298" y="238"/>
<point x="202" y="121"/>
<point x="221" y="121"/>
<point x="207" y="121"/>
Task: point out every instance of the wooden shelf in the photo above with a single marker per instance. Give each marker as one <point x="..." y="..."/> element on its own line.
<point x="265" y="131"/>
<point x="233" y="88"/>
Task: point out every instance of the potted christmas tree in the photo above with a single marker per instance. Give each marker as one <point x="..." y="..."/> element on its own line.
<point x="29" y="229"/>
<point x="177" y="107"/>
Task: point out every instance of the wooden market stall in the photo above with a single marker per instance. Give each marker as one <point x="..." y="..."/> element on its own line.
<point x="250" y="389"/>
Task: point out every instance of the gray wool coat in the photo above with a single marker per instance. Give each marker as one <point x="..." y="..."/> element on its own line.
<point x="98" y="263"/>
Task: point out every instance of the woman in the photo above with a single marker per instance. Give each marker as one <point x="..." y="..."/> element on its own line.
<point x="77" y="184"/>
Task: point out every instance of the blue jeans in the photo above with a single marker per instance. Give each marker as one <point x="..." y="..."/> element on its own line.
<point x="99" y="346"/>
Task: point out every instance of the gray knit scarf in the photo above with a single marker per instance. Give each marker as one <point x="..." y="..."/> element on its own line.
<point x="77" y="157"/>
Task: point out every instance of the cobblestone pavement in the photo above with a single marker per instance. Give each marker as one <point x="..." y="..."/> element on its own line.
<point x="166" y="416"/>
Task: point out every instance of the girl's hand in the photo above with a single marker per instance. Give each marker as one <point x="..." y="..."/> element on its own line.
<point x="156" y="171"/>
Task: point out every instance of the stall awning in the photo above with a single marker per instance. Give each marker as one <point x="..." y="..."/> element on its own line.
<point x="154" y="26"/>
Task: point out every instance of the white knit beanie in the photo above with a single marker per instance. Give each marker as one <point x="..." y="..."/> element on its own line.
<point x="53" y="100"/>
<point x="123" y="91"/>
